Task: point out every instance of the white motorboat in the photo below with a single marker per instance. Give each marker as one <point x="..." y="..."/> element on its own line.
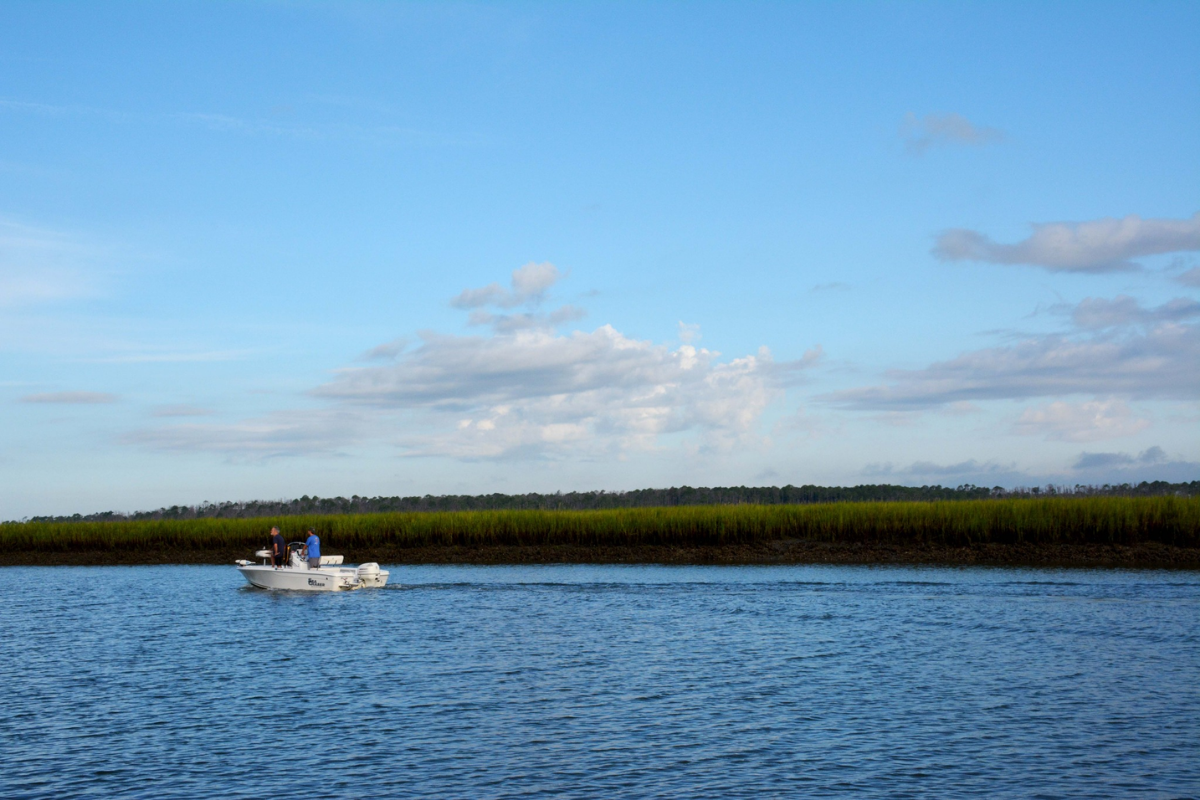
<point x="297" y="576"/>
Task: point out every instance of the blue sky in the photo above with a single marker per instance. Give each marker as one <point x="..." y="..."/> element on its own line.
<point x="264" y="250"/>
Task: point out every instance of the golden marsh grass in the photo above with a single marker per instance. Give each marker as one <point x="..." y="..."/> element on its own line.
<point x="1092" y="520"/>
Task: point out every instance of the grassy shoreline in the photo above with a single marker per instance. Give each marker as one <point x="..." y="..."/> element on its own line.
<point x="1161" y="532"/>
<point x="1147" y="556"/>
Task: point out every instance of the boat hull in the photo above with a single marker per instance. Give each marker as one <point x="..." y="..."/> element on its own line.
<point x="309" y="580"/>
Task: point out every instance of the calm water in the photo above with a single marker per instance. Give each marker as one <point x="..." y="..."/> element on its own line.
<point x="602" y="682"/>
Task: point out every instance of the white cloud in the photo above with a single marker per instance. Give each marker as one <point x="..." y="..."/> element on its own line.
<point x="689" y="332"/>
<point x="532" y="393"/>
<point x="70" y="398"/>
<point x="492" y="294"/>
<point x="386" y="351"/>
<point x="536" y="391"/>
<point x="523" y="390"/>
<point x="1080" y="422"/>
<point x="1104" y="245"/>
<point x="1157" y="364"/>
<point x="1123" y="310"/>
<point x="1136" y="353"/>
<point x="533" y="279"/>
<point x="508" y="323"/>
<point x="529" y="286"/>
<point x="283" y="433"/>
<point x="922" y="133"/>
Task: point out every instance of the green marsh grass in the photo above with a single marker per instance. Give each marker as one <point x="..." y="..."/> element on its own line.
<point x="1094" y="520"/>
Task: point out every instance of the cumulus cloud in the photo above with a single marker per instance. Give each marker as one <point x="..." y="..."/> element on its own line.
<point x="529" y="286"/>
<point x="532" y="393"/>
<point x="71" y="398"/>
<point x="1080" y="422"/>
<point x="1136" y="353"/>
<point x="689" y="332"/>
<point x="536" y="391"/>
<point x="522" y="390"/>
<point x="922" y="133"/>
<point x="1104" y="245"/>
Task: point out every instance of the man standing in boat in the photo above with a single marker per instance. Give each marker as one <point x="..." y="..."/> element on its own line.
<point x="278" y="549"/>
<point x="312" y="549"/>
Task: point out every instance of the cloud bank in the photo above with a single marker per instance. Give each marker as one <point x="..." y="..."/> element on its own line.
<point x="1088" y="461"/>
<point x="524" y="390"/>
<point x="986" y="473"/>
<point x="1104" y="245"/>
<point x="1129" y="352"/>
<point x="1096" y="313"/>
<point x="538" y="392"/>
<point x="1080" y="422"/>
<point x="1090" y="468"/>
<point x="1151" y="464"/>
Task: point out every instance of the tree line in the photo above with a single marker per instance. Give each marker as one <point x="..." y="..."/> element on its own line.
<point x="638" y="498"/>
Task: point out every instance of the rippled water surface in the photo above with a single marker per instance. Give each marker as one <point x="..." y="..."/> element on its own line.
<point x="605" y="681"/>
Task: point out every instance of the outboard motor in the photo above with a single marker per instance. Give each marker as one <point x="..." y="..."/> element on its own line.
<point x="369" y="574"/>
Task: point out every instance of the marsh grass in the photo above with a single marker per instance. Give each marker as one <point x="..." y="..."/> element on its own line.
<point x="1093" y="520"/>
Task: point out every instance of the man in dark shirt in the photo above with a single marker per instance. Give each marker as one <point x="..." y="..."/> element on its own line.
<point x="278" y="549"/>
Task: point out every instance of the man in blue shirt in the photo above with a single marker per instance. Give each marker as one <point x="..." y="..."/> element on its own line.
<point x="312" y="549"/>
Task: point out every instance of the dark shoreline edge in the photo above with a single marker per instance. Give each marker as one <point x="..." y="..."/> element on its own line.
<point x="1149" y="555"/>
